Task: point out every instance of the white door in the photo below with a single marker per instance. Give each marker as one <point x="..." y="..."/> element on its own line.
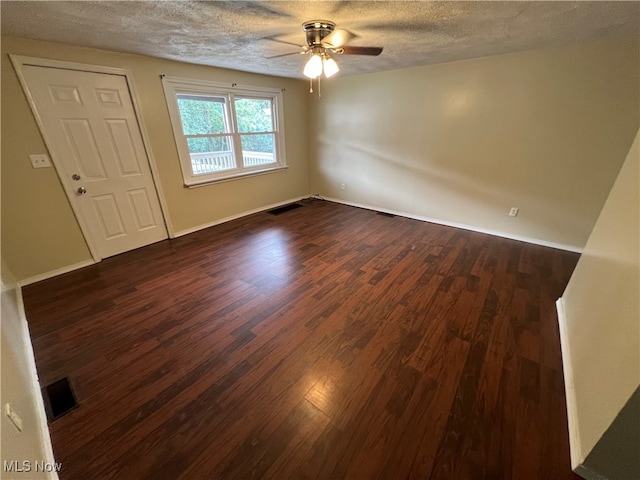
<point x="92" y="132"/>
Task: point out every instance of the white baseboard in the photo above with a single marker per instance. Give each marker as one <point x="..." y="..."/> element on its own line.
<point x="55" y="273"/>
<point x="239" y="215"/>
<point x="575" y="446"/>
<point x="535" y="241"/>
<point x="42" y="426"/>
<point x="70" y="268"/>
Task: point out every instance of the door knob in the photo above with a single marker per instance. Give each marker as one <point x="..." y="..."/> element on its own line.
<point x="81" y="190"/>
<point x="75" y="176"/>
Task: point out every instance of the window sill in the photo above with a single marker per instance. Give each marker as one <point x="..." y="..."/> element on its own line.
<point x="236" y="176"/>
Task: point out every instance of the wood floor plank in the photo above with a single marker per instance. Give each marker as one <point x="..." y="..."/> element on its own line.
<point x="327" y="342"/>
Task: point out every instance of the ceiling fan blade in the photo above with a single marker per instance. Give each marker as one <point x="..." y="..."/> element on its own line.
<point x="285" y="42"/>
<point x="347" y="50"/>
<point x="337" y="38"/>
<point x="287" y="54"/>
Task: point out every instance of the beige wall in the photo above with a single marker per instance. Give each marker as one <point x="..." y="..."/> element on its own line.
<point x="20" y="389"/>
<point x="545" y="131"/>
<point x="601" y="304"/>
<point x="39" y="231"/>
<point x="460" y="143"/>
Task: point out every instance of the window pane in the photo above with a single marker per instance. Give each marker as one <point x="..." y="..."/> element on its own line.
<point x="211" y="154"/>
<point x="225" y="131"/>
<point x="254" y="114"/>
<point x="201" y="115"/>
<point x="258" y="149"/>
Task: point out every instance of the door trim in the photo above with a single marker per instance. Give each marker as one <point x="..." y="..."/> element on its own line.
<point x="20" y="61"/>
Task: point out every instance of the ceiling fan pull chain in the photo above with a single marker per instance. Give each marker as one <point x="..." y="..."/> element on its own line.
<point x="311" y="85"/>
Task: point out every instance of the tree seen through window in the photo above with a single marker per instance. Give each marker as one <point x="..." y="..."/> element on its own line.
<point x="206" y="115"/>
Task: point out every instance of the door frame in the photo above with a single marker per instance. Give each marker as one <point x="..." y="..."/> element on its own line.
<point x="20" y="61"/>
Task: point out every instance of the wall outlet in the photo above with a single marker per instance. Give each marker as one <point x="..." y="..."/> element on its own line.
<point x="13" y="416"/>
<point x="40" y="160"/>
<point x="343" y="186"/>
<point x="514" y="211"/>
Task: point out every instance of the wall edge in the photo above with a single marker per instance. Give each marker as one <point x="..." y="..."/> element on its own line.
<point x="575" y="447"/>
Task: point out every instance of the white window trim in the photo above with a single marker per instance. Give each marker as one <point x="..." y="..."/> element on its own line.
<point x="174" y="86"/>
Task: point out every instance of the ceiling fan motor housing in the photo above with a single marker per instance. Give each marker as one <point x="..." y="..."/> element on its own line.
<point x="316" y="30"/>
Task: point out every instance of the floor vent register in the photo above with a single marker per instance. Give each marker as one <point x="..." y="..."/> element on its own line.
<point x="59" y="399"/>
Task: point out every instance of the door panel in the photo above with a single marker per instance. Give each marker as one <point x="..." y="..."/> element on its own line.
<point x="123" y="147"/>
<point x="143" y="214"/>
<point x="86" y="156"/>
<point x="109" y="215"/>
<point x="91" y="128"/>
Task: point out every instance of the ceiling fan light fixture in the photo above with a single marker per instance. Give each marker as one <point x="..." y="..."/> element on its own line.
<point x="330" y="67"/>
<point x="313" y="68"/>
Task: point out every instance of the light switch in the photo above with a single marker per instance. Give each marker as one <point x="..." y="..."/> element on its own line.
<point x="13" y="416"/>
<point x="40" y="160"/>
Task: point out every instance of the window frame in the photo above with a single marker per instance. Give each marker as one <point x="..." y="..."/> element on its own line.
<point x="174" y="86"/>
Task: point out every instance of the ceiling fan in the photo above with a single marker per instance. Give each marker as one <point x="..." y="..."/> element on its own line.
<point x="323" y="40"/>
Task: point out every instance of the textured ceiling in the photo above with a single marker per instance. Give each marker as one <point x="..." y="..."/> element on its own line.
<point x="235" y="34"/>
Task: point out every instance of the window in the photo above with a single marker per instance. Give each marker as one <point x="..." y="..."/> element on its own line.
<point x="224" y="131"/>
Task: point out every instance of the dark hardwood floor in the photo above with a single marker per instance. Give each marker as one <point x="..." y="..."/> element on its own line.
<point x="327" y="342"/>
